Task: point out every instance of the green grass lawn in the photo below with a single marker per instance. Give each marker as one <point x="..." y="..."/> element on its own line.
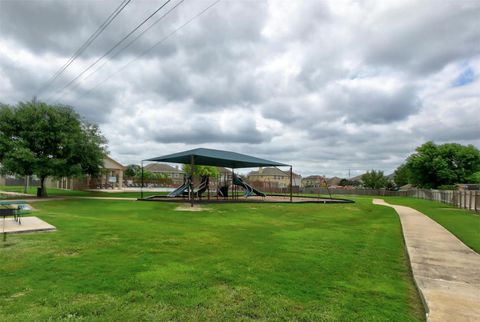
<point x="143" y="261"/>
<point x="54" y="192"/>
<point x="462" y="223"/>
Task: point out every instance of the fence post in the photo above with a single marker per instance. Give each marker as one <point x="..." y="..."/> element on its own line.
<point x="476" y="200"/>
<point x="470" y="205"/>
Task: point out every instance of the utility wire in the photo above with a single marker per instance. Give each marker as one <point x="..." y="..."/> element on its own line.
<point x="133" y="40"/>
<point x="155" y="45"/>
<point x="114" y="47"/>
<point x="85" y="45"/>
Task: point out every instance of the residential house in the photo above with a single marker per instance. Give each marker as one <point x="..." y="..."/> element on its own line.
<point x="174" y="173"/>
<point x="111" y="177"/>
<point x="272" y="177"/>
<point x="314" y="181"/>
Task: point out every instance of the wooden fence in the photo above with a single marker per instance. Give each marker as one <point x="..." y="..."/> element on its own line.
<point x="469" y="199"/>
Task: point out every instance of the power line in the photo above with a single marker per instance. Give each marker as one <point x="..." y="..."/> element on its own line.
<point x="85" y="45"/>
<point x="155" y="45"/>
<point x="114" y="47"/>
<point x="134" y="39"/>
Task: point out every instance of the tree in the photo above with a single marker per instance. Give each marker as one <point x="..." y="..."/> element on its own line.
<point x="446" y="164"/>
<point x="147" y="175"/>
<point x="132" y="170"/>
<point x="202" y="170"/>
<point x="345" y="182"/>
<point x="48" y="140"/>
<point x="401" y="175"/>
<point x="374" y="179"/>
<point x="474" y="178"/>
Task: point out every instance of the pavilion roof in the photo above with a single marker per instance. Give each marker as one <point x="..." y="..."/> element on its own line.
<point x="219" y="158"/>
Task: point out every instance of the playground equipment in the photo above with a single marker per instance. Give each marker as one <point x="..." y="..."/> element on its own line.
<point x="248" y="188"/>
<point x="217" y="158"/>
<point x="187" y="182"/>
<point x="187" y="186"/>
<point x="202" y="187"/>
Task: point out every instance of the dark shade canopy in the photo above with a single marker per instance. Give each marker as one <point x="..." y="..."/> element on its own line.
<point x="217" y="158"/>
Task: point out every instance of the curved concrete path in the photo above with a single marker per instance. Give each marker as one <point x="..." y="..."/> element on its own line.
<point x="446" y="271"/>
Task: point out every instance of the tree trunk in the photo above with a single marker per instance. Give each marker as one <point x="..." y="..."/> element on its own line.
<point x="42" y="191"/>
<point x="25" y="187"/>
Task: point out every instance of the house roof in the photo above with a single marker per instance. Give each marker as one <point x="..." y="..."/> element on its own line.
<point x="314" y="177"/>
<point x="109" y="163"/>
<point x="161" y="167"/>
<point x="357" y="178"/>
<point x="334" y="181"/>
<point x="217" y="158"/>
<point x="271" y="172"/>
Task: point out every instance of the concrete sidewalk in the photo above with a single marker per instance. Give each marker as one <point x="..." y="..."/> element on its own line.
<point x="28" y="225"/>
<point x="446" y="271"/>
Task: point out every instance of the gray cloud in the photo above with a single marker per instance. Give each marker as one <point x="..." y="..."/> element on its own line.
<point x="207" y="129"/>
<point x="423" y="37"/>
<point x="325" y="86"/>
<point x="373" y="106"/>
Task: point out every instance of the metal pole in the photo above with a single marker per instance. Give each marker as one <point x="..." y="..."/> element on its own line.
<point x="141" y="187"/>
<point x="190" y="187"/>
<point x="291" y="184"/>
<point x="233" y="186"/>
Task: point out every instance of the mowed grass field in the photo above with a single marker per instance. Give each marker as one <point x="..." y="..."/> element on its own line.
<point x="144" y="261"/>
<point x="54" y="192"/>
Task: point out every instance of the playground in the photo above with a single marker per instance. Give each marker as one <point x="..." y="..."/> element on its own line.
<point x="229" y="188"/>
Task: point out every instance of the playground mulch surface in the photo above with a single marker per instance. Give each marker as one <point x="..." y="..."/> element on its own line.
<point x="253" y="199"/>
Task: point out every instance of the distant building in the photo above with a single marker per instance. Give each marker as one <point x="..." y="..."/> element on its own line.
<point x="333" y="182"/>
<point x="273" y="178"/>
<point x="224" y="175"/>
<point x="111" y="177"/>
<point x="314" y="181"/>
<point x="467" y="186"/>
<point x="174" y="173"/>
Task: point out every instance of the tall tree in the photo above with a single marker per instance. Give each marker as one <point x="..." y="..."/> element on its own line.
<point x="446" y="164"/>
<point x="132" y="170"/>
<point x="374" y="179"/>
<point x="48" y="140"/>
<point x="401" y="175"/>
<point x="202" y="170"/>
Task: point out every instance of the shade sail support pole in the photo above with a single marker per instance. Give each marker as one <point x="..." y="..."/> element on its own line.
<point x="291" y="184"/>
<point x="190" y="187"/>
<point x="233" y="185"/>
<point x="141" y="188"/>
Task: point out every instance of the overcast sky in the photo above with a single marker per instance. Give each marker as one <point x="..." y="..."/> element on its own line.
<point x="325" y="86"/>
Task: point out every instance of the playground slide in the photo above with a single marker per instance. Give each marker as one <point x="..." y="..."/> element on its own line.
<point x="180" y="190"/>
<point x="203" y="186"/>
<point x="248" y="188"/>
